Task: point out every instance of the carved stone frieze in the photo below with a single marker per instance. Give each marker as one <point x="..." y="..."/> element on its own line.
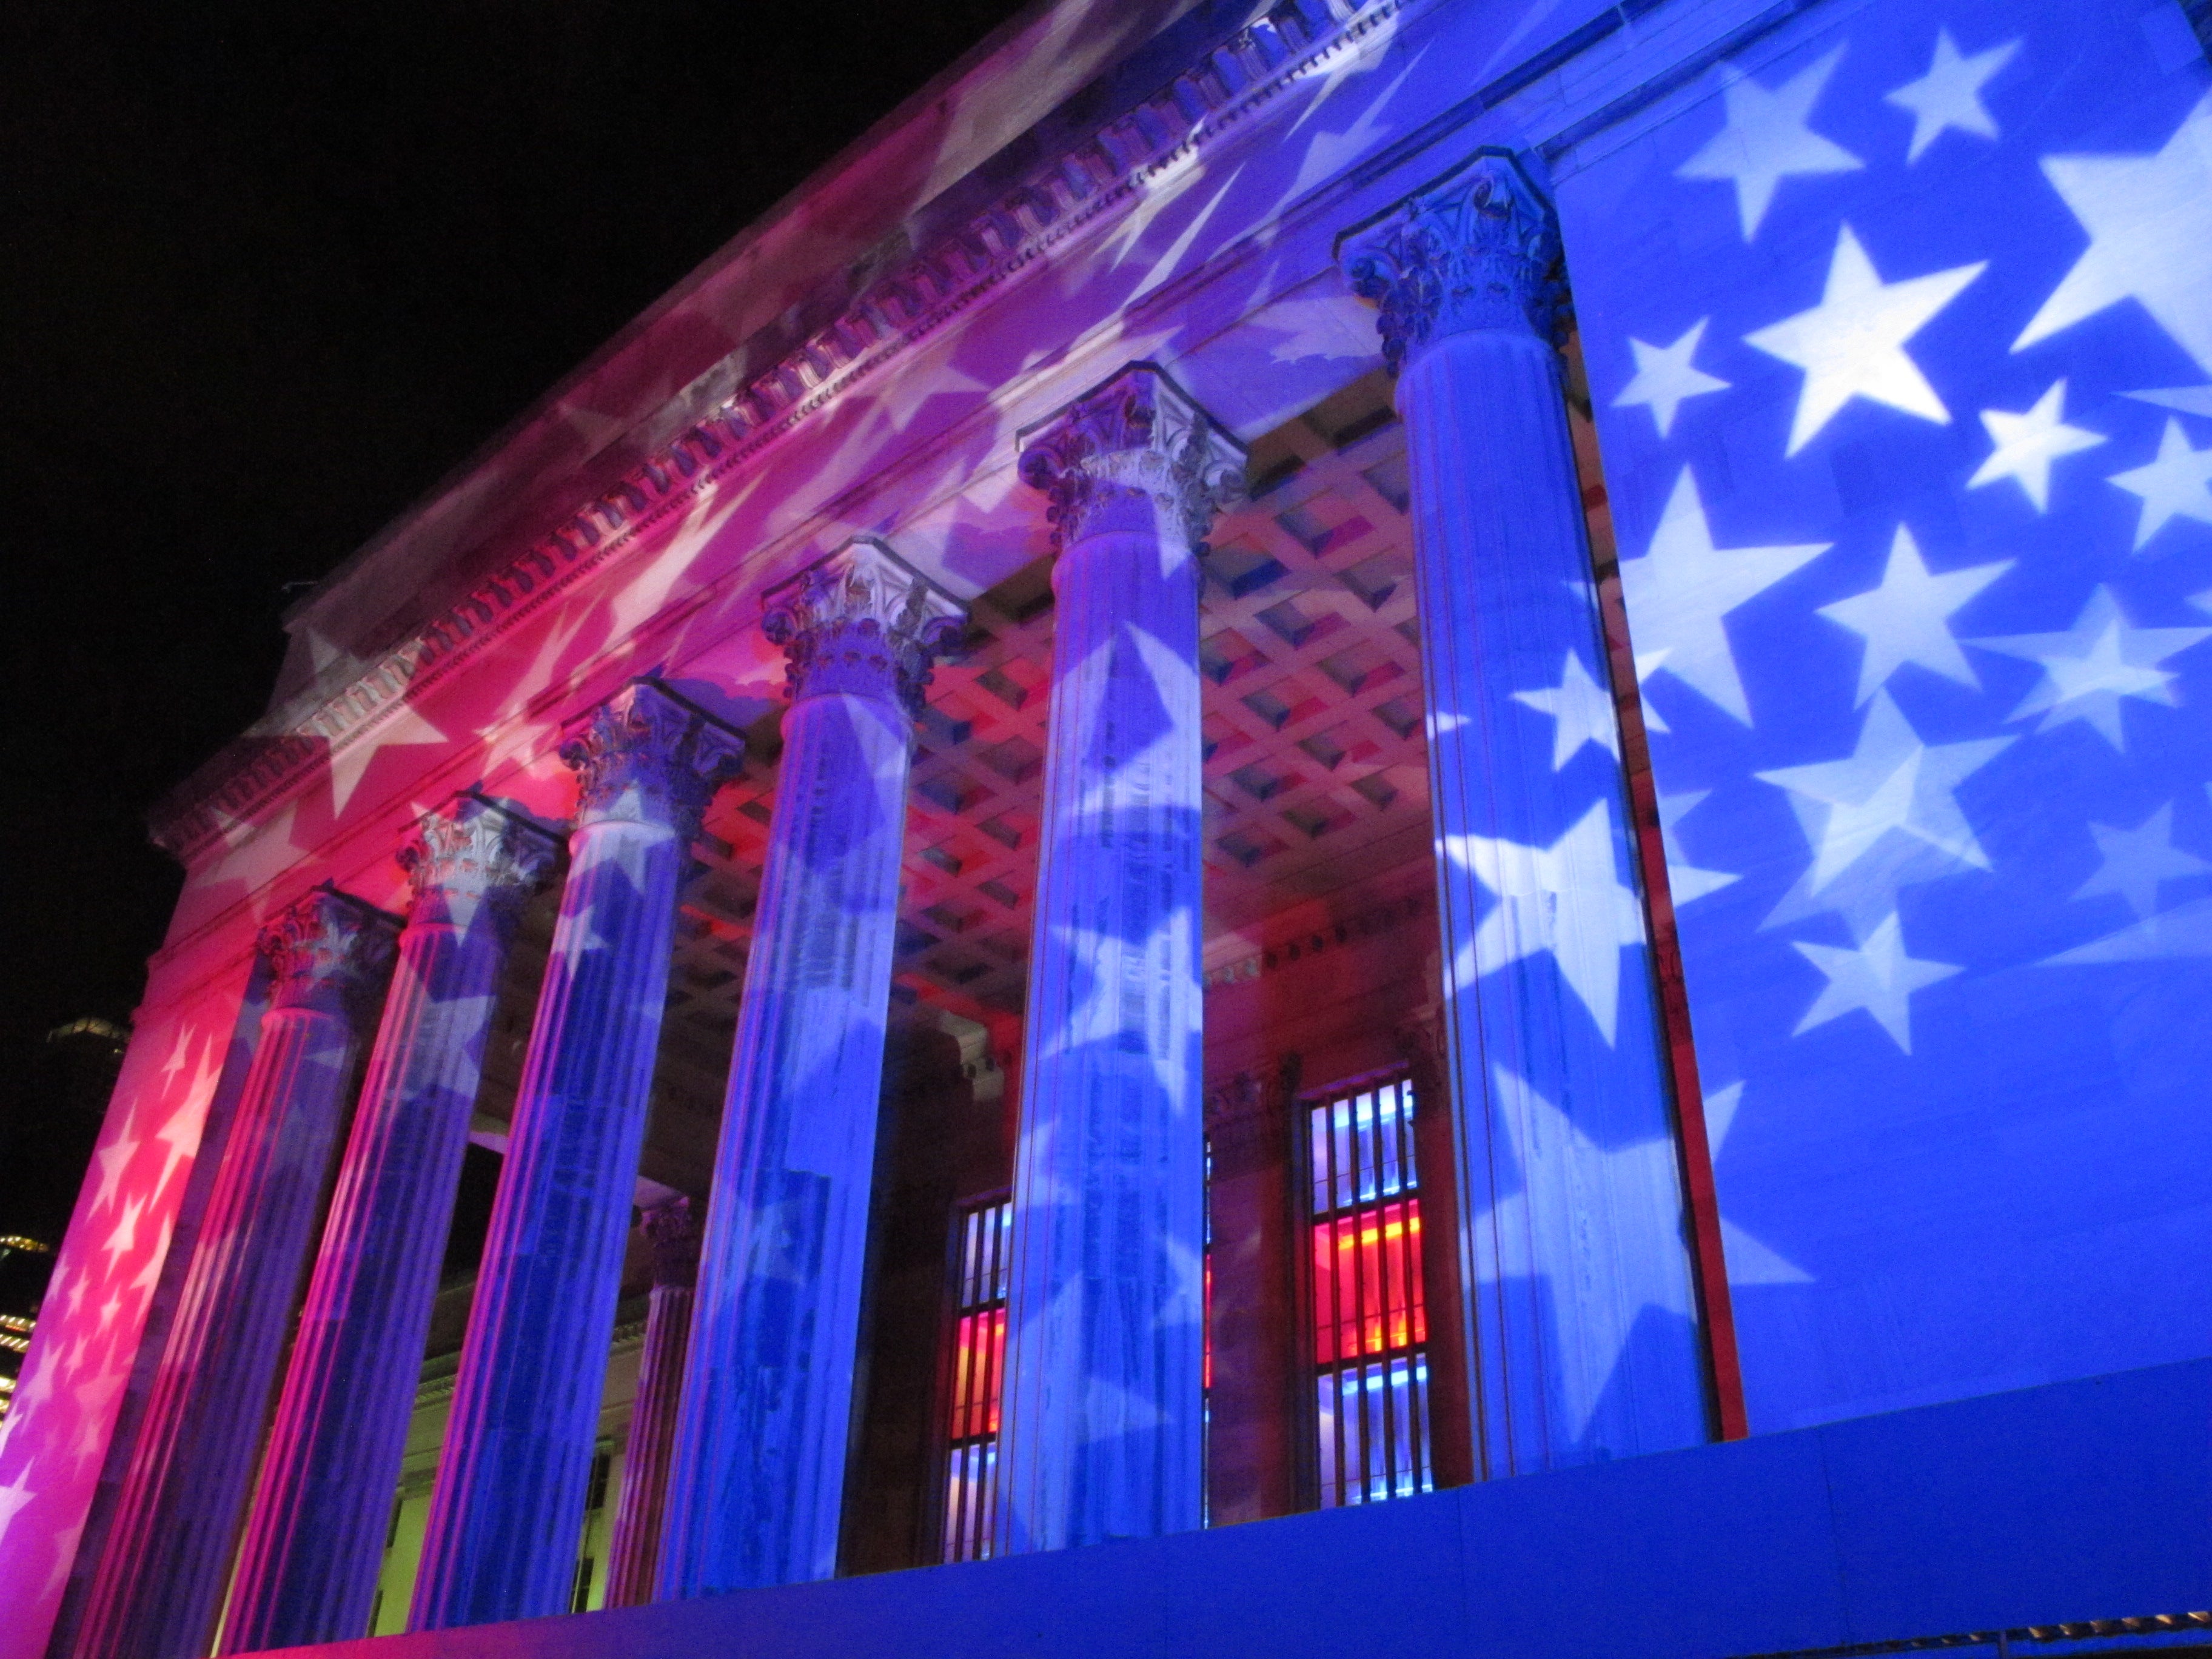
<point x="1477" y="249"/>
<point x="476" y="850"/>
<point x="862" y="621"/>
<point x="329" y="950"/>
<point x="647" y="755"/>
<point x="775" y="381"/>
<point x="1139" y="441"/>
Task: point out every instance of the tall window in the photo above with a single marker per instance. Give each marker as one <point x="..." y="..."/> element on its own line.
<point x="1369" y="1313"/>
<point x="979" y="1365"/>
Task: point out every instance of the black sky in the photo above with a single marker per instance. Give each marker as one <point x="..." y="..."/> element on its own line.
<point x="266" y="274"/>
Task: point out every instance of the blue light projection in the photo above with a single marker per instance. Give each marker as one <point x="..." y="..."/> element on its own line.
<point x="1899" y="334"/>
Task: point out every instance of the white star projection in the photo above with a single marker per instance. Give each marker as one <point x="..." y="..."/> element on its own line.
<point x="1852" y="344"/>
<point x="1102" y="1016"/>
<point x="2188" y="399"/>
<point x="1885" y="814"/>
<point x="2176" y="484"/>
<point x="1878" y="977"/>
<point x="1581" y="712"/>
<point x="1566" y="899"/>
<point x="1750" y="1260"/>
<point x="2087" y="669"/>
<point x="2149" y="223"/>
<point x="1666" y="377"/>
<point x="2133" y="862"/>
<point x="1581" y="1178"/>
<point x="2184" y="931"/>
<point x="2028" y="442"/>
<point x="1906" y="618"/>
<point x="1948" y="98"/>
<point x="1683" y="586"/>
<point x="14" y="1497"/>
<point x="1685" y="882"/>
<point x="1767" y="140"/>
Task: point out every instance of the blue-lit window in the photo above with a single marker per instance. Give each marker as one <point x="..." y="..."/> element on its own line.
<point x="977" y="1380"/>
<point x="1370" y="1306"/>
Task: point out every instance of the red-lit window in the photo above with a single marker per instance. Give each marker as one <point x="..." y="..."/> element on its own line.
<point x="978" y="1379"/>
<point x="1370" y="1315"/>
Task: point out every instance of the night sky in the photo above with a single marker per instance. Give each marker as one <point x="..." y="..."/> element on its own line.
<point x="267" y="275"/>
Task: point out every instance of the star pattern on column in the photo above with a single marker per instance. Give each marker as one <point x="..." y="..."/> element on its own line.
<point x="2176" y="484"/>
<point x="1582" y="713"/>
<point x="1891" y="783"/>
<point x="1877" y="977"/>
<point x="2087" y="669"/>
<point x="1634" y="1281"/>
<point x="1683" y="586"/>
<point x="1666" y="377"/>
<point x="14" y="1498"/>
<point x="1566" y="899"/>
<point x="2149" y="223"/>
<point x="1750" y="1260"/>
<point x="1906" y="619"/>
<point x="1852" y="344"/>
<point x="1948" y="98"/>
<point x="2133" y="862"/>
<point x="1685" y="882"/>
<point x="2028" y="442"/>
<point x="1767" y="140"/>
<point x="1102" y="1017"/>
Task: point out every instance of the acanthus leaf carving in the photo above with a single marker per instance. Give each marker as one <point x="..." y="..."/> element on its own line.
<point x="476" y="850"/>
<point x="1477" y="249"/>
<point x="648" y="756"/>
<point x="329" y="950"/>
<point x="862" y="621"/>
<point x="1136" y="444"/>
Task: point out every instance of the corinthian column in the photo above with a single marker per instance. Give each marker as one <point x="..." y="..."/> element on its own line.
<point x="1103" y="1429"/>
<point x="314" y="1543"/>
<point x="504" y="1521"/>
<point x="634" y="1564"/>
<point x="1572" y="1254"/>
<point x="760" y="1455"/>
<point x="166" y="1563"/>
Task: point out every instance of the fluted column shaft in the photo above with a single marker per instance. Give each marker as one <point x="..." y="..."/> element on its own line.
<point x="504" y="1517"/>
<point x="633" y="1551"/>
<point x="1103" y="1430"/>
<point x="1572" y="1251"/>
<point x="760" y="1460"/>
<point x="160" y="1586"/>
<point x="314" y="1543"/>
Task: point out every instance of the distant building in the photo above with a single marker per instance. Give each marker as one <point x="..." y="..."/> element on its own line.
<point x="1443" y="762"/>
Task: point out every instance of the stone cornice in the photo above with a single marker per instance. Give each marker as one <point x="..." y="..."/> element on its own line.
<point x="910" y="301"/>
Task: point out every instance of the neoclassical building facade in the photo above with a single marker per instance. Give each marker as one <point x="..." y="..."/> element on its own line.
<point x="1438" y="764"/>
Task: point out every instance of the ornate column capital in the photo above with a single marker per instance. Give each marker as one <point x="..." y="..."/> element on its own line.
<point x="1478" y="248"/>
<point x="329" y="952"/>
<point x="674" y="1228"/>
<point x="647" y="755"/>
<point x="862" y="621"/>
<point x="1117" y="454"/>
<point x="476" y="849"/>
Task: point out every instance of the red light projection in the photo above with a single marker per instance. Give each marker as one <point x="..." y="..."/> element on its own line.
<point x="1370" y="1306"/>
<point x="978" y="1380"/>
<point x="1367" y="1283"/>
